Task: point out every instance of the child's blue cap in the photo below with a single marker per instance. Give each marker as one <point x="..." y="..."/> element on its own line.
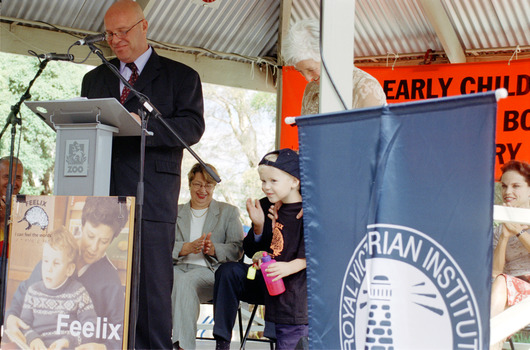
<point x="287" y="161"/>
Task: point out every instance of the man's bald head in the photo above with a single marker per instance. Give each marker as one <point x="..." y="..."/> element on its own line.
<point x="126" y="17"/>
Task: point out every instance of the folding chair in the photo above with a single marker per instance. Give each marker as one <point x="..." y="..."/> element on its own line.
<point x="244" y="336"/>
<point x="249" y="326"/>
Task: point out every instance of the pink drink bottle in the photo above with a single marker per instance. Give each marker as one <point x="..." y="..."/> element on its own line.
<point x="276" y="287"/>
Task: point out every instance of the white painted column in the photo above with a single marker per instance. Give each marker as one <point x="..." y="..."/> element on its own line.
<point x="338" y="17"/>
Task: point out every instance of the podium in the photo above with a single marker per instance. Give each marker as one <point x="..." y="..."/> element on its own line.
<point x="85" y="128"/>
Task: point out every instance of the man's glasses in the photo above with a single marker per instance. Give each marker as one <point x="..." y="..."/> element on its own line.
<point x="198" y="185"/>
<point x="120" y="35"/>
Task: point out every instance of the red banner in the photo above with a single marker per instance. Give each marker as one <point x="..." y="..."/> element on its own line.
<point x="403" y="84"/>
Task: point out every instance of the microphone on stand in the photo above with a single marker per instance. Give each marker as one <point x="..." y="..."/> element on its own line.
<point x="90" y="39"/>
<point x="52" y="56"/>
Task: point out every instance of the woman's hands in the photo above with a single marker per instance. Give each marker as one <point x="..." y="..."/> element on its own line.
<point x="511" y="229"/>
<point x="193" y="247"/>
<point x="208" y="247"/>
<point x="202" y="244"/>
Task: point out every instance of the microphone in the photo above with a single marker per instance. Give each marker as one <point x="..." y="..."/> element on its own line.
<point x="52" y="56"/>
<point x="90" y="39"/>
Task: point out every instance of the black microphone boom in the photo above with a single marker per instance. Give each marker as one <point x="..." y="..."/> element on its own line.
<point x="90" y="39"/>
<point x="56" y="56"/>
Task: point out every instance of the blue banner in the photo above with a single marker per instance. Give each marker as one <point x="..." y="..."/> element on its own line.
<point x="398" y="206"/>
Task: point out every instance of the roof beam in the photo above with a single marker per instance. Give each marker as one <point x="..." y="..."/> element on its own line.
<point x="18" y="39"/>
<point x="283" y="28"/>
<point x="337" y="33"/>
<point x="436" y="14"/>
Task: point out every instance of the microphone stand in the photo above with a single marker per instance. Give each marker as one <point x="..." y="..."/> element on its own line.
<point x="12" y="120"/>
<point x="147" y="108"/>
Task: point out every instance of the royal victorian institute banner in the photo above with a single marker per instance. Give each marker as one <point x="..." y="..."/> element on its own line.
<point x="398" y="204"/>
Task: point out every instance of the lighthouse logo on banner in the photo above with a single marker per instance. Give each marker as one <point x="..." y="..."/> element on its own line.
<point x="403" y="290"/>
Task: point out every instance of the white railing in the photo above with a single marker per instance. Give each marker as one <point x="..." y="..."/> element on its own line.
<point x="518" y="316"/>
<point x="508" y="214"/>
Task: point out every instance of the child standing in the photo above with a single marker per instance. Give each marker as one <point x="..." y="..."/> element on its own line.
<point x="58" y="299"/>
<point x="280" y="181"/>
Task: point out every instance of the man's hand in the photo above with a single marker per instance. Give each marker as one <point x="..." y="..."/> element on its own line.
<point x="137" y="117"/>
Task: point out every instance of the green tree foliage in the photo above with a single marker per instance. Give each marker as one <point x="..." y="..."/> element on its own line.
<point x="35" y="140"/>
<point x="240" y="129"/>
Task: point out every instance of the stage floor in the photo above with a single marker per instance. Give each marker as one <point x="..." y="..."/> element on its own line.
<point x="234" y="345"/>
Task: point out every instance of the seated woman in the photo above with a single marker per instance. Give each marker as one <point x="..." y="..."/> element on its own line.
<point x="208" y="233"/>
<point x="511" y="241"/>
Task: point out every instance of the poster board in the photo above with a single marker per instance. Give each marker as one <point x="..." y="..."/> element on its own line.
<point x="414" y="83"/>
<point x="90" y="306"/>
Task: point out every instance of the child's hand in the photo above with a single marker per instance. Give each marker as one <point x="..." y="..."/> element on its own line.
<point x="256" y="259"/>
<point x="283" y="269"/>
<point x="256" y="215"/>
<point x="59" y="344"/>
<point x="13" y="326"/>
<point x="273" y="212"/>
<point x="37" y="344"/>
<point x="300" y="214"/>
<point x="278" y="270"/>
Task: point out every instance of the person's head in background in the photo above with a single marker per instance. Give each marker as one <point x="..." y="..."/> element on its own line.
<point x="202" y="186"/>
<point x="301" y="48"/>
<point x="59" y="254"/>
<point x="126" y="30"/>
<point x="515" y="182"/>
<point x="101" y="221"/>
<point x="18" y="173"/>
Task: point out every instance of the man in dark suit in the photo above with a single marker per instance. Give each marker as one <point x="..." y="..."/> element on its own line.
<point x="175" y="90"/>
